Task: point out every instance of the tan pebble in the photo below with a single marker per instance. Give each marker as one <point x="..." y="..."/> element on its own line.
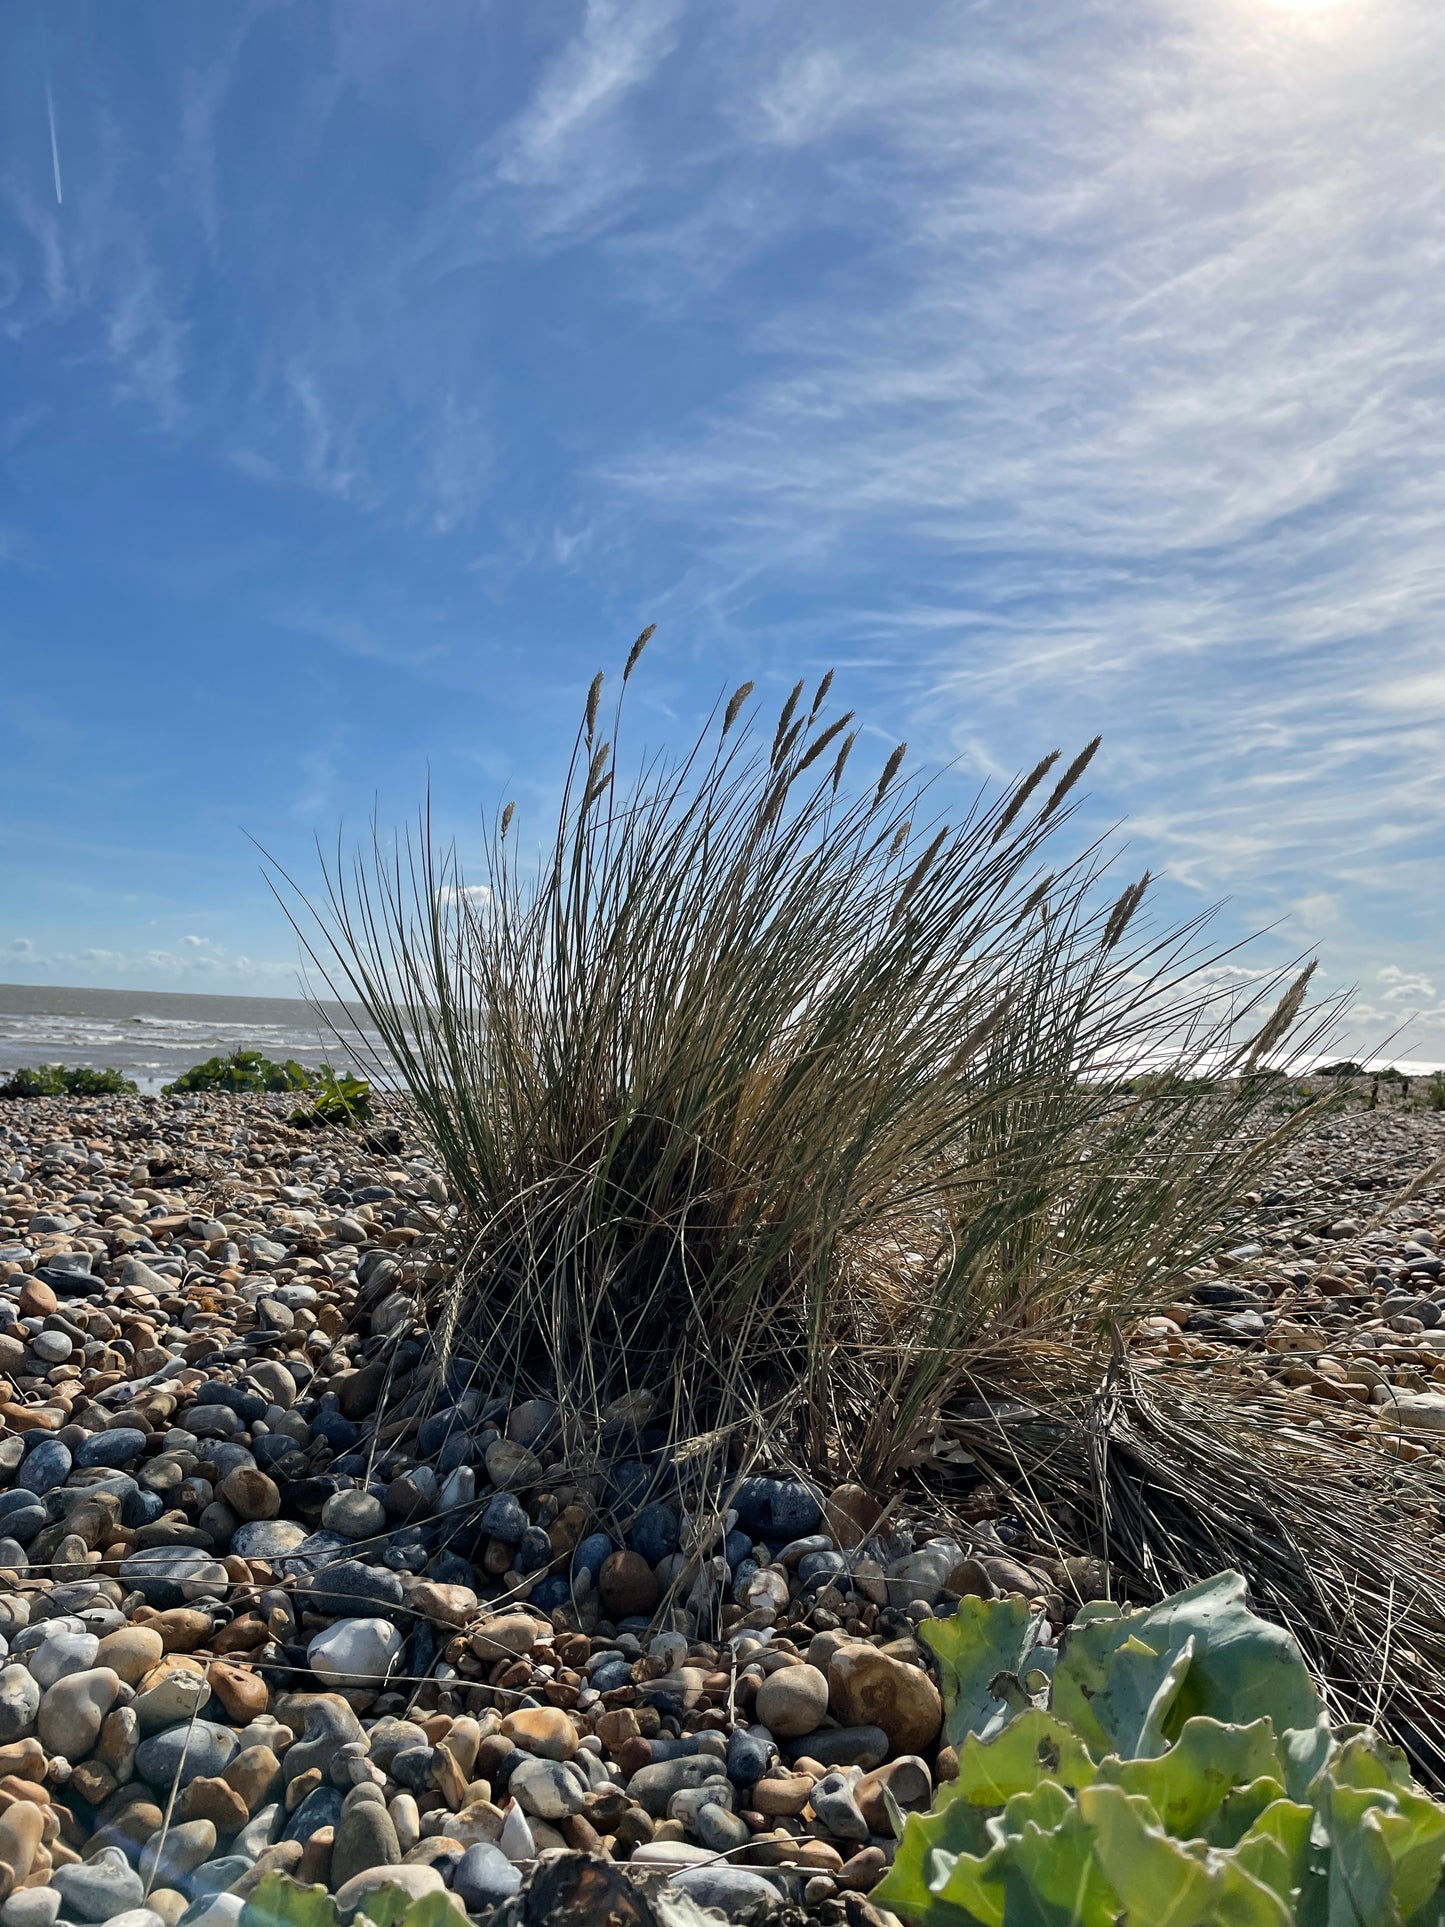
<point x="616" y="1726"/>
<point x="503" y="1633"/>
<point x="213" y="1800"/>
<point x="22" y="1828"/>
<point x="93" y="1781"/>
<point x="907" y="1779"/>
<point x="446" y="1605"/>
<point x="304" y="1783"/>
<point x="250" y="1493"/>
<point x="545" y="1730"/>
<point x="255" y="1773"/>
<point x="182" y="1628"/>
<point x="23" y="1758"/>
<point x="131" y="1652"/>
<point x="462" y="1740"/>
<point x="784" y="1796"/>
<point x="240" y="1689"/>
<point x="313" y="1869"/>
<point x="869" y="1688"/>
<point x="864" y="1870"/>
<point x="792" y="1701"/>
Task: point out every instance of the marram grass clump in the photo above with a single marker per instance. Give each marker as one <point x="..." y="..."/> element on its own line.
<point x="769" y="1087"/>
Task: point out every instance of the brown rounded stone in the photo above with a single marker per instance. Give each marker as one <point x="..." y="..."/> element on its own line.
<point x="36" y="1300"/>
<point x="783" y="1796"/>
<point x="851" y="1513"/>
<point x="906" y="1778"/>
<point x="22" y="1827"/>
<point x="545" y="1730"/>
<point x="627" y="1587"/>
<point x="131" y="1652"/>
<point x="250" y="1494"/>
<point x="182" y="1628"/>
<point x="213" y="1800"/>
<point x="240" y="1689"/>
<point x="791" y="1701"/>
<point x="254" y="1774"/>
<point x="868" y="1688"/>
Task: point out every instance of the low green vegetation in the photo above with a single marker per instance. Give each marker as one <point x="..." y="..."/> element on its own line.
<point x="243" y="1070"/>
<point x="56" y="1080"/>
<point x="341" y="1099"/>
<point x="279" y="1901"/>
<point x="1170" y="1764"/>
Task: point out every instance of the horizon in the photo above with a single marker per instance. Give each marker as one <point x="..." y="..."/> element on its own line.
<point x="12" y="1057"/>
<point x="379" y="375"/>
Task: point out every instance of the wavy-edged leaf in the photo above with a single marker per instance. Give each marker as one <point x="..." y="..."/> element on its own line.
<point x="1127" y="1683"/>
<point x="1031" y="1748"/>
<point x="1055" y="1879"/>
<point x="928" y="1846"/>
<point x="1044" y="1806"/>
<point x="432" y="1910"/>
<point x="1162" y="1882"/>
<point x="1210" y="1764"/>
<point x="279" y="1901"/>
<point x="983" y="1639"/>
<point x="1276" y="1848"/>
<point x="1375" y="1822"/>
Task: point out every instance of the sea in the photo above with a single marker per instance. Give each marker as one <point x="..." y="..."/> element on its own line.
<point x="154" y="1035"/>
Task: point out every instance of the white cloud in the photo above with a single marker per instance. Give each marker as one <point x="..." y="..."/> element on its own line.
<point x="196" y="962"/>
<point x="1125" y="417"/>
<point x="567" y="140"/>
<point x="1406" y="986"/>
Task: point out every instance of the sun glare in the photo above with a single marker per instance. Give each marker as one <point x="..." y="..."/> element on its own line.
<point x="1305" y="6"/>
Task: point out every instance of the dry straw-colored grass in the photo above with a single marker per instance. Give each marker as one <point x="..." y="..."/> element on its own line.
<point x="766" y="1089"/>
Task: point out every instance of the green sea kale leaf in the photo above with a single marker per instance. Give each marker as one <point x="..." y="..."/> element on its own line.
<point x="1128" y="1685"/>
<point x="987" y="1643"/>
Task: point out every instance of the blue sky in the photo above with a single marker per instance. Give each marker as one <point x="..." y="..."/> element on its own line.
<point x="373" y="373"/>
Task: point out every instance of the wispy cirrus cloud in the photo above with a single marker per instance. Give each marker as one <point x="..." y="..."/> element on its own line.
<point x="568" y="139"/>
<point x="1127" y="416"/>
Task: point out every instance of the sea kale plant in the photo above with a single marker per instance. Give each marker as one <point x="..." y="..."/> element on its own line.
<point x="766" y="1084"/>
<point x="59" y="1080"/>
<point x="243" y="1070"/>
<point x="1167" y="1765"/>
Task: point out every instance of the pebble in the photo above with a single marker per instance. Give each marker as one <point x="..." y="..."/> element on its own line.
<point x="183" y="1753"/>
<point x="365" y="1838"/>
<point x="547" y="1789"/>
<point x="100" y="1888"/>
<point x="19" y="1702"/>
<point x="355" y="1650"/>
<point x="484" y="1877"/>
<point x="868" y="1687"/>
<point x="733" y="1891"/>
<point x="355" y="1515"/>
<point x="792" y="1701"/>
<point x="73" y="1710"/>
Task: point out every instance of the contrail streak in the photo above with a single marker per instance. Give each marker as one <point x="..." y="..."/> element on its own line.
<point x="54" y="145"/>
